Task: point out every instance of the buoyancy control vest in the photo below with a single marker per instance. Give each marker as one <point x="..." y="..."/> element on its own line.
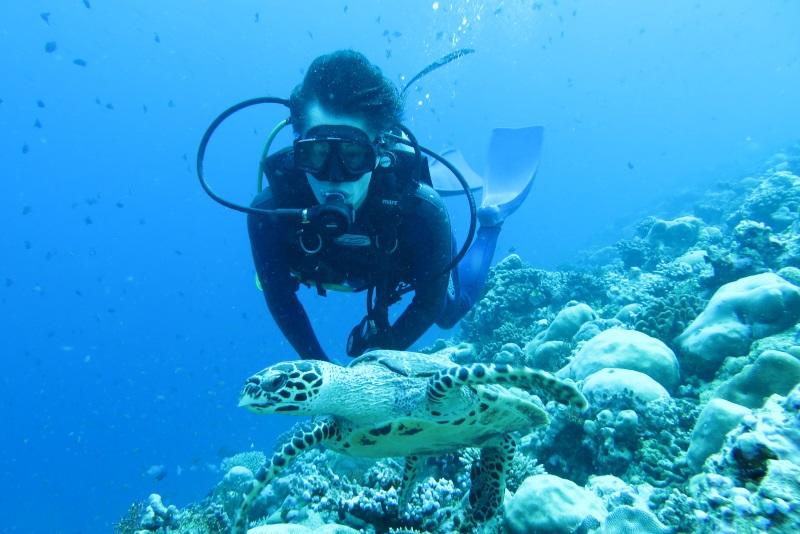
<point x="329" y="263"/>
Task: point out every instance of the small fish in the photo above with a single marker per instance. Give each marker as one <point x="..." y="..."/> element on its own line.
<point x="119" y="205"/>
<point x="50" y="47"/>
<point x="310" y="35"/>
<point x="45" y="17"/>
<point x="25" y="148"/>
<point x="439" y="35"/>
<point x="158" y="472"/>
<point x="97" y="101"/>
<point x="26" y="210"/>
<point x="37" y="124"/>
<point x="40" y="103"/>
<point x="79" y="62"/>
<point x="9" y="282"/>
<point x="156" y="38"/>
<point x="109" y="106"/>
<point x="630" y="165"/>
<point x="28" y="245"/>
<point x="388" y="53"/>
<point x="378" y="19"/>
<point x="171" y="104"/>
<point x="345" y="8"/>
<point x="396" y="34"/>
<point x="87" y="221"/>
<point x="256" y="17"/>
<point x="87" y="4"/>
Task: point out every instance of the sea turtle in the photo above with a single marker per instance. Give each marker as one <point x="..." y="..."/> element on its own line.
<point x="398" y="403"/>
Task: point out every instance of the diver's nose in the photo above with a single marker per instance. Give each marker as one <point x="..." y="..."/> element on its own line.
<point x="336" y="171"/>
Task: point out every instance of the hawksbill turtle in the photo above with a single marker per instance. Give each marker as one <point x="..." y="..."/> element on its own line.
<point x="398" y="403"/>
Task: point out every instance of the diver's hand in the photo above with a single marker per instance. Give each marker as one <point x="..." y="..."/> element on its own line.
<point x="363" y="337"/>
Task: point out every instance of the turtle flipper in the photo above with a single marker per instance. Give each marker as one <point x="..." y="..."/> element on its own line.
<point x="409" y="474"/>
<point x="448" y="380"/>
<point x="321" y="432"/>
<point x="488" y="481"/>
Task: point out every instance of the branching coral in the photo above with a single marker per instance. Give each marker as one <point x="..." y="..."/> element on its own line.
<point x="517" y="299"/>
<point x="666" y="317"/>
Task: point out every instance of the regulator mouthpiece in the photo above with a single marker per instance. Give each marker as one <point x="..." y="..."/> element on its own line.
<point x="333" y="217"/>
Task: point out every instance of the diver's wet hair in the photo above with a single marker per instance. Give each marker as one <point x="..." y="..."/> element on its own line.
<point x="346" y="83"/>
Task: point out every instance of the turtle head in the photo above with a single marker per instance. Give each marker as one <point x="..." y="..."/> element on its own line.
<point x="288" y="387"/>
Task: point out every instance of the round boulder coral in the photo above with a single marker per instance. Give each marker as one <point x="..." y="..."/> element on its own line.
<point x="626" y="349"/>
<point x="739" y="313"/>
<point x="772" y="372"/>
<point x="678" y="234"/>
<point x="568" y="321"/>
<point x="717" y="419"/>
<point x="606" y="384"/>
<point x="552" y="505"/>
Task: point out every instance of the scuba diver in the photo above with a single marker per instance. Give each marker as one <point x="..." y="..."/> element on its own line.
<point x="371" y="217"/>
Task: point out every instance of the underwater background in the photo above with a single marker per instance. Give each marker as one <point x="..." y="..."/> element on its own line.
<point x="128" y="308"/>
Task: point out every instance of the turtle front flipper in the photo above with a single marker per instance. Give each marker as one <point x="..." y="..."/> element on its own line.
<point x="321" y="432"/>
<point x="488" y="481"/>
<point x="446" y="381"/>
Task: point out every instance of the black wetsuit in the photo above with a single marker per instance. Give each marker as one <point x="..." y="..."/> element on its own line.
<point x="401" y="234"/>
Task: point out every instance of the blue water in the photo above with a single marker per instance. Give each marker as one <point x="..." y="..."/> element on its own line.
<point x="128" y="311"/>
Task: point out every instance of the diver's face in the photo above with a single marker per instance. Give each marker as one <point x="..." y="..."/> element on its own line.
<point x="354" y="192"/>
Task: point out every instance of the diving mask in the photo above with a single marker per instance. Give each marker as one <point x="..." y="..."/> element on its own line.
<point x="335" y="153"/>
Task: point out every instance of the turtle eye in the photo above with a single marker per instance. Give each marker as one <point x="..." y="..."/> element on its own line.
<point x="273" y="383"/>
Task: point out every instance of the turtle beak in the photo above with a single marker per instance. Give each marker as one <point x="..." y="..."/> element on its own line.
<point x="260" y="392"/>
<point x="261" y="405"/>
<point x="251" y="393"/>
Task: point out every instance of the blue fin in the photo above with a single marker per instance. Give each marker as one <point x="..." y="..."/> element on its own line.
<point x="513" y="160"/>
<point x="445" y="183"/>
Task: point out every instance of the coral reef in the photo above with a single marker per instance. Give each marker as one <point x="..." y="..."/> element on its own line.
<point x="683" y="336"/>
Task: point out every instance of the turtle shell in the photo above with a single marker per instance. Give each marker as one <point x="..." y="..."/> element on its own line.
<point x="404" y="363"/>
